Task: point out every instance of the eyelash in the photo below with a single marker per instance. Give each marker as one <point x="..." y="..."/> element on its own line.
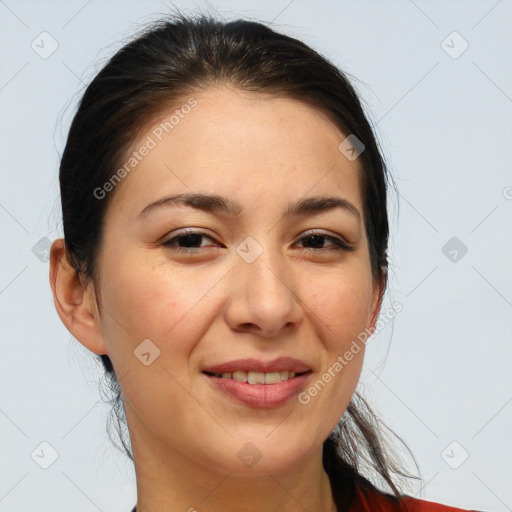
<point x="339" y="244"/>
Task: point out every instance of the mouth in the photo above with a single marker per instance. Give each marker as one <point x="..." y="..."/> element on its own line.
<point x="258" y="390"/>
<point x="254" y="377"/>
<point x="257" y="383"/>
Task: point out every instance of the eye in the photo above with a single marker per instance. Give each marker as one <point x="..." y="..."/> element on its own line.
<point x="187" y="241"/>
<point x="317" y="240"/>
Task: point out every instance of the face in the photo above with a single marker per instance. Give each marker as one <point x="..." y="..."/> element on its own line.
<point x="204" y="285"/>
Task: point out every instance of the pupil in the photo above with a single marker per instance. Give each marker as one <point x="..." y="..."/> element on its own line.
<point x="317" y="238"/>
<point x="193" y="241"/>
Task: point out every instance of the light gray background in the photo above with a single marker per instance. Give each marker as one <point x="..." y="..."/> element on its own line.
<point x="442" y="374"/>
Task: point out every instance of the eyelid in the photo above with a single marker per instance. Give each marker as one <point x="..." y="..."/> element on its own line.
<point x="188" y="231"/>
<point x="327" y="234"/>
<point x="337" y="240"/>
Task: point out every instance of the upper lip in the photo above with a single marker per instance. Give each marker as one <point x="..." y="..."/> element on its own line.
<point x="256" y="365"/>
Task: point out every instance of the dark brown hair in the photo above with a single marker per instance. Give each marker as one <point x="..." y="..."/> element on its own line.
<point x="182" y="55"/>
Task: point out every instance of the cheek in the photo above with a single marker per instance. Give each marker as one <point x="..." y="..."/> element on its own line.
<point x="148" y="298"/>
<point x="170" y="306"/>
<point x="342" y="303"/>
<point x="339" y="305"/>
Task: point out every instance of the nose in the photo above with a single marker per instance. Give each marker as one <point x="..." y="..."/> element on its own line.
<point x="262" y="296"/>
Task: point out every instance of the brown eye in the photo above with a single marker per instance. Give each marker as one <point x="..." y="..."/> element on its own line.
<point x="316" y="240"/>
<point x="187" y="242"/>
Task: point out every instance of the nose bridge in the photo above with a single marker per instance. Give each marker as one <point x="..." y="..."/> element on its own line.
<point x="267" y="272"/>
<point x="263" y="287"/>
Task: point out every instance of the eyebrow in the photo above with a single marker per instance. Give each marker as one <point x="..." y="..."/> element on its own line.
<point x="215" y="203"/>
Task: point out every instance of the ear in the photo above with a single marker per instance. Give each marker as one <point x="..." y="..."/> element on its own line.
<point x="75" y="300"/>
<point x="378" y="291"/>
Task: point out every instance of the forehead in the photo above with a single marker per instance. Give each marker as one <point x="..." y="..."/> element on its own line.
<point x="253" y="145"/>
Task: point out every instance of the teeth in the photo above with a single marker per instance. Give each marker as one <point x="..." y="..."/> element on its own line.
<point x="240" y="376"/>
<point x="258" y="377"/>
<point x="272" y="377"/>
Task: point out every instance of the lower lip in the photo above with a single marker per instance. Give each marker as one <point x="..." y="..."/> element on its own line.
<point x="260" y="395"/>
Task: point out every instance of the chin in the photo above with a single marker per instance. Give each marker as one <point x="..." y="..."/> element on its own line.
<point x="258" y="457"/>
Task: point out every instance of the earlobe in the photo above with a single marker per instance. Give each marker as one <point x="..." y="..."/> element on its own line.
<point x="75" y="300"/>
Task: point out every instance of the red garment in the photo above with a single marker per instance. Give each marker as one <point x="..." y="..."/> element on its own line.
<point x="372" y="501"/>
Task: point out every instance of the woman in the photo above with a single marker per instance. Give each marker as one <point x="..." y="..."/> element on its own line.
<point x="225" y="223"/>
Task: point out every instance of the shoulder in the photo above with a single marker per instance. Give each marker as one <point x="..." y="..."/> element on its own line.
<point x="416" y="505"/>
<point x="373" y="501"/>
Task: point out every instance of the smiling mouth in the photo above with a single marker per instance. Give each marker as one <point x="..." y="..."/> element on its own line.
<point x="257" y="377"/>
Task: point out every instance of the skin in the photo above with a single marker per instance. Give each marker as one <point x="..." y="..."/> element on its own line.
<point x="296" y="299"/>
